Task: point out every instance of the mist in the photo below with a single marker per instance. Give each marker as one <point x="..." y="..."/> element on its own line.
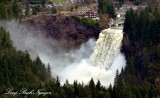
<point x="71" y="65"/>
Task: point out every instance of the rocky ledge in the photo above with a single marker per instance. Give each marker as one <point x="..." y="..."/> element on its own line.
<point x="70" y="32"/>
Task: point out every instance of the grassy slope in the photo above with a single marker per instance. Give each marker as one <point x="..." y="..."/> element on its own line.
<point x="59" y="0"/>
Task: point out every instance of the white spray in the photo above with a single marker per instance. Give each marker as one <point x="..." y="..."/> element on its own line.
<point x="104" y="62"/>
<point x="75" y="64"/>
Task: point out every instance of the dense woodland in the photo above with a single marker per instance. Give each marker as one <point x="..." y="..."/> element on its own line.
<point x="17" y="70"/>
<point x="142" y="51"/>
<point x="140" y="78"/>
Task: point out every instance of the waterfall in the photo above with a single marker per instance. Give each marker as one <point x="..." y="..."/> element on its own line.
<point x="107" y="48"/>
<point x="103" y="63"/>
<point x="90" y="61"/>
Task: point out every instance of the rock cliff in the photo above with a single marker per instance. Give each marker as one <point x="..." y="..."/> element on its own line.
<point x="70" y="32"/>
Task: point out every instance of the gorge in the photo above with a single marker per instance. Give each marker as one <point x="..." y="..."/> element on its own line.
<point x="82" y="64"/>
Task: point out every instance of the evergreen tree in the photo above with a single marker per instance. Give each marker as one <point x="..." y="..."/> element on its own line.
<point x="3" y="11"/>
<point x="110" y="10"/>
<point x="92" y="88"/>
<point x="76" y="90"/>
<point x="27" y="9"/>
<point x="15" y="9"/>
<point x="129" y="21"/>
<point x="9" y="11"/>
<point x="54" y="11"/>
<point x="49" y="71"/>
<point x="34" y="10"/>
<point x="57" y="82"/>
<point x="106" y="6"/>
<point x="98" y="85"/>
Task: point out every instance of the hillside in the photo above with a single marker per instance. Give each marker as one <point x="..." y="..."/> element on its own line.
<point x="68" y="31"/>
<point x="15" y="65"/>
<point x="141" y="44"/>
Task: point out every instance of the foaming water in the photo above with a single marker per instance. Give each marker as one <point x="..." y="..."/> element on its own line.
<point x="84" y="71"/>
<point x="107" y="47"/>
<point x="103" y="63"/>
<point x="99" y="63"/>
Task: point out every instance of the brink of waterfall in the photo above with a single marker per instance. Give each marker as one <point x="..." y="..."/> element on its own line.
<point x="107" y="48"/>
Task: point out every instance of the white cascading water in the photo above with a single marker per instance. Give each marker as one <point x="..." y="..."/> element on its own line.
<point x="105" y="60"/>
<point x="80" y="64"/>
<point x="107" y="47"/>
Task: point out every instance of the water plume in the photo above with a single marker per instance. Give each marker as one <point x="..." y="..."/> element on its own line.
<point x="99" y="63"/>
<point x="103" y="63"/>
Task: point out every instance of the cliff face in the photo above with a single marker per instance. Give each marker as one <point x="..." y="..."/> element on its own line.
<point x="68" y="31"/>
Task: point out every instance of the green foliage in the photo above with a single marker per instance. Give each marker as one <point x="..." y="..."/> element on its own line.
<point x="90" y="22"/>
<point x="106" y="6"/>
<point x="9" y="9"/>
<point x="54" y="11"/>
<point x="57" y="1"/>
<point x="27" y="9"/>
<point x="5" y="1"/>
<point x="129" y="21"/>
<point x="43" y="2"/>
<point x="76" y="7"/>
<point x="34" y="11"/>
<point x="15" y="9"/>
<point x="143" y="27"/>
<point x="88" y="2"/>
<point x="3" y="11"/>
<point x="49" y="71"/>
<point x="87" y="22"/>
<point x="17" y="70"/>
<point x="141" y="37"/>
<point x="137" y="80"/>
